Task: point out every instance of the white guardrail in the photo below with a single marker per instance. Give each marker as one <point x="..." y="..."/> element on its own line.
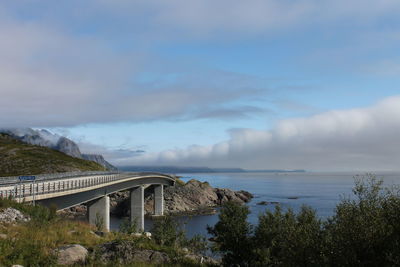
<point x="12" y="187"/>
<point x="54" y="184"/>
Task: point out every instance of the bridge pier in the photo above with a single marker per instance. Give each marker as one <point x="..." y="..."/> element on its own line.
<point x="98" y="212"/>
<point x="137" y="207"/>
<point x="159" y="200"/>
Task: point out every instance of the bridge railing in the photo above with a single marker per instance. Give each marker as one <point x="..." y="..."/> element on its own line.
<point x="63" y="182"/>
<point x="30" y="189"/>
<point x="55" y="176"/>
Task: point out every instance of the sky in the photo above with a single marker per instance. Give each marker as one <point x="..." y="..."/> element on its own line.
<point x="256" y="84"/>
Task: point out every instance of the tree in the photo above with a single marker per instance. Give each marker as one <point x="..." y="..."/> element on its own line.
<point x="231" y="234"/>
<point x="365" y="230"/>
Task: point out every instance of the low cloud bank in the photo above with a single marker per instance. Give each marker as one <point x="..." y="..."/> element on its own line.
<point x="355" y="139"/>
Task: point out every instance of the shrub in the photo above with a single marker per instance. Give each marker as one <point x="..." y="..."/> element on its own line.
<point x="128" y="227"/>
<point x="167" y="232"/>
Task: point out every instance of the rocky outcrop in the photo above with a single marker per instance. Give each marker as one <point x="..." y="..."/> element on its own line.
<point x="193" y="197"/>
<point x="68" y="147"/>
<point x="11" y="215"/>
<point x="126" y="251"/>
<point x="100" y="160"/>
<point x="71" y="254"/>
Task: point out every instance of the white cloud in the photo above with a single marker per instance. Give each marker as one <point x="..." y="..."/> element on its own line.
<point x="354" y="139"/>
<point x="201" y="18"/>
<point x="49" y="78"/>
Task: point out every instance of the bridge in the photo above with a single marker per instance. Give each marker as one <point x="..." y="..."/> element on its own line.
<point x="66" y="190"/>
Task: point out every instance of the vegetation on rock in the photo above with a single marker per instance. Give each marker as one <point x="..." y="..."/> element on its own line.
<point x="18" y="158"/>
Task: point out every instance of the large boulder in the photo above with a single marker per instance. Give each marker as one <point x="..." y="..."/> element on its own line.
<point x="126" y="252"/>
<point x="71" y="254"/>
<point x="11" y="215"/>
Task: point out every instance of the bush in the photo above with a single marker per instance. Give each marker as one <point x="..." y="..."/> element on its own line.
<point x="128" y="227"/>
<point x="167" y="232"/>
<point x="197" y="244"/>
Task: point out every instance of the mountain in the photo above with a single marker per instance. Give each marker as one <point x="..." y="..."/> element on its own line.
<point x="54" y="141"/>
<point x="20" y="158"/>
<point x="68" y="147"/>
<point x="100" y="160"/>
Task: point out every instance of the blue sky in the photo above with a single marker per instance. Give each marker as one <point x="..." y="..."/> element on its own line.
<point x="181" y="79"/>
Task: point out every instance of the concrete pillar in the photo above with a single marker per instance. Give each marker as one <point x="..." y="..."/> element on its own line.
<point x="159" y="200"/>
<point x="137" y="207"/>
<point x="98" y="212"/>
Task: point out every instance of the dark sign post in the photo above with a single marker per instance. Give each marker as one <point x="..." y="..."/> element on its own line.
<point x="28" y="178"/>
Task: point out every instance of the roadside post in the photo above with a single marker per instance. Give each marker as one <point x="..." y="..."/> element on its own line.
<point x="28" y="178"/>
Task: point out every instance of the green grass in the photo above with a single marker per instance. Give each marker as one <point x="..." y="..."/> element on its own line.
<point x="33" y="243"/>
<point x="18" y="158"/>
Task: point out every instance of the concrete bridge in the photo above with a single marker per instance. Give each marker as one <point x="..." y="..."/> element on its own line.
<point x="91" y="188"/>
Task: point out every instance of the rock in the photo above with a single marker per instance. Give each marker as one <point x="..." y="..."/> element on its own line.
<point x="3" y="236"/>
<point x="136" y="234"/>
<point x="71" y="254"/>
<point x="100" y="160"/>
<point x="125" y="251"/>
<point x="11" y="215"/>
<point x="68" y="147"/>
<point x="293" y="197"/>
<point x="199" y="259"/>
<point x="263" y="203"/>
<point x="17" y="265"/>
<point x="185" y="250"/>
<point x="147" y="234"/>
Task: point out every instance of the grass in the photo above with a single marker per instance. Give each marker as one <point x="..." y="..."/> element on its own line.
<point x="18" y="158"/>
<point x="33" y="243"/>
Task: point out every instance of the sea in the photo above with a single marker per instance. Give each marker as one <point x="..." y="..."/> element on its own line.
<point x="321" y="191"/>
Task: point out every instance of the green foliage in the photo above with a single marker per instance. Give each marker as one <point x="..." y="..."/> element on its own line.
<point x="128" y="227"/>
<point x="167" y="232"/>
<point x="99" y="222"/>
<point x="37" y="213"/>
<point x="197" y="244"/>
<point x="232" y="234"/>
<point x="364" y="231"/>
<point x="288" y="239"/>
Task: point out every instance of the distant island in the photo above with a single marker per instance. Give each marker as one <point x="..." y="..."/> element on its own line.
<point x="176" y="169"/>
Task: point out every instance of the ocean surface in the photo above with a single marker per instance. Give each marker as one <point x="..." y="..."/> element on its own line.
<point x="321" y="191"/>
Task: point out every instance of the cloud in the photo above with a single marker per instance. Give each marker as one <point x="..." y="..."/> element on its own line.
<point x="354" y="139"/>
<point x="386" y="68"/>
<point x="49" y="78"/>
<point x="211" y="18"/>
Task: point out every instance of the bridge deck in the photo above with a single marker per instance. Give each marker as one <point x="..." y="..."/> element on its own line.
<point x="52" y="186"/>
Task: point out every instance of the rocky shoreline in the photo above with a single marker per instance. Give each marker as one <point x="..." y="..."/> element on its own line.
<point x="190" y="198"/>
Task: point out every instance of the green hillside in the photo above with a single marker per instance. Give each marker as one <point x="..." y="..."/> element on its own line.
<point x="18" y="158"/>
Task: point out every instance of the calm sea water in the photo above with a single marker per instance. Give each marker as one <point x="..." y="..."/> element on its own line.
<point x="321" y="191"/>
